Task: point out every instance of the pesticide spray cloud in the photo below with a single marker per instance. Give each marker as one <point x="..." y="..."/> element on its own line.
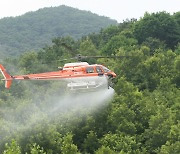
<point x="78" y="101"/>
<point x="50" y="105"/>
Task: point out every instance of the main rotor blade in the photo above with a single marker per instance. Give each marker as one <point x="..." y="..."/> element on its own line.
<point x="85" y="57"/>
<point x="61" y="60"/>
<point x="80" y="58"/>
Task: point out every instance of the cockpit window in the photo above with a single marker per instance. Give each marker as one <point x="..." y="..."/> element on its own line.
<point x="89" y="70"/>
<point x="106" y="69"/>
<point x="98" y="69"/>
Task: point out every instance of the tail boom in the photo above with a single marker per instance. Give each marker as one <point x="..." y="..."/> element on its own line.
<point x="8" y="78"/>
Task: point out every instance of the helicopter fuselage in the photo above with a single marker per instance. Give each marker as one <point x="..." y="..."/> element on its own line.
<point x="77" y="75"/>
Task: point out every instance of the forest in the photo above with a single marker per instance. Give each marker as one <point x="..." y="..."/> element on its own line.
<point x="34" y="30"/>
<point x="139" y="115"/>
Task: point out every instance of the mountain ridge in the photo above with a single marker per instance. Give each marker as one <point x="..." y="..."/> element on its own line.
<point x="34" y="30"/>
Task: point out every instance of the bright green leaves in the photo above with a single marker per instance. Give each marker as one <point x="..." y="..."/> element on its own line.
<point x="174" y="134"/>
<point x="87" y="48"/>
<point x="36" y="149"/>
<point x="12" y="148"/>
<point x="121" y="119"/>
<point x="105" y="150"/>
<point x="159" y="128"/>
<point x="173" y="144"/>
<point x="67" y="145"/>
<point x="119" y="142"/>
<point x="170" y="148"/>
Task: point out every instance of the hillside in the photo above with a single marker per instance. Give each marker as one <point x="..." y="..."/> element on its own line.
<point x="34" y="30"/>
<point x="139" y="115"/>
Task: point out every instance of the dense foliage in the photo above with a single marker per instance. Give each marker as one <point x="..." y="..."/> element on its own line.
<point x="143" y="116"/>
<point x="34" y="30"/>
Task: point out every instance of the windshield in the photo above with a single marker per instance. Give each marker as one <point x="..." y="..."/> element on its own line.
<point x="106" y="69"/>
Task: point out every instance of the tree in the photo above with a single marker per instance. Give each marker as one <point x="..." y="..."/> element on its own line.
<point x="28" y="62"/>
<point x="159" y="128"/>
<point x="67" y="146"/>
<point x="177" y="17"/>
<point x="173" y="143"/>
<point x="87" y="48"/>
<point x="91" y="142"/>
<point x="13" y="148"/>
<point x="154" y="44"/>
<point x="119" y="142"/>
<point x="35" y="149"/>
<point x="159" y="25"/>
<point x="119" y="41"/>
<point x="170" y="148"/>
<point x="105" y="150"/>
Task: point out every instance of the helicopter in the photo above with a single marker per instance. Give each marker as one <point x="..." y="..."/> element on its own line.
<point x="78" y="75"/>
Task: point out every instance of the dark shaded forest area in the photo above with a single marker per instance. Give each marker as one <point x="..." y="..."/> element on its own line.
<point x="140" y="116"/>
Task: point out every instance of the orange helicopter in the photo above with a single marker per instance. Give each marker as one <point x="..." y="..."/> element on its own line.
<point x="78" y="75"/>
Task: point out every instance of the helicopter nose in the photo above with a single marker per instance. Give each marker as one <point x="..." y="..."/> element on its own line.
<point x="113" y="74"/>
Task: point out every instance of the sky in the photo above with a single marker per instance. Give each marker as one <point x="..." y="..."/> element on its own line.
<point x="115" y="9"/>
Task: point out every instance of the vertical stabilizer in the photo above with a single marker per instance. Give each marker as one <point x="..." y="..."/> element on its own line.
<point x="8" y="78"/>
